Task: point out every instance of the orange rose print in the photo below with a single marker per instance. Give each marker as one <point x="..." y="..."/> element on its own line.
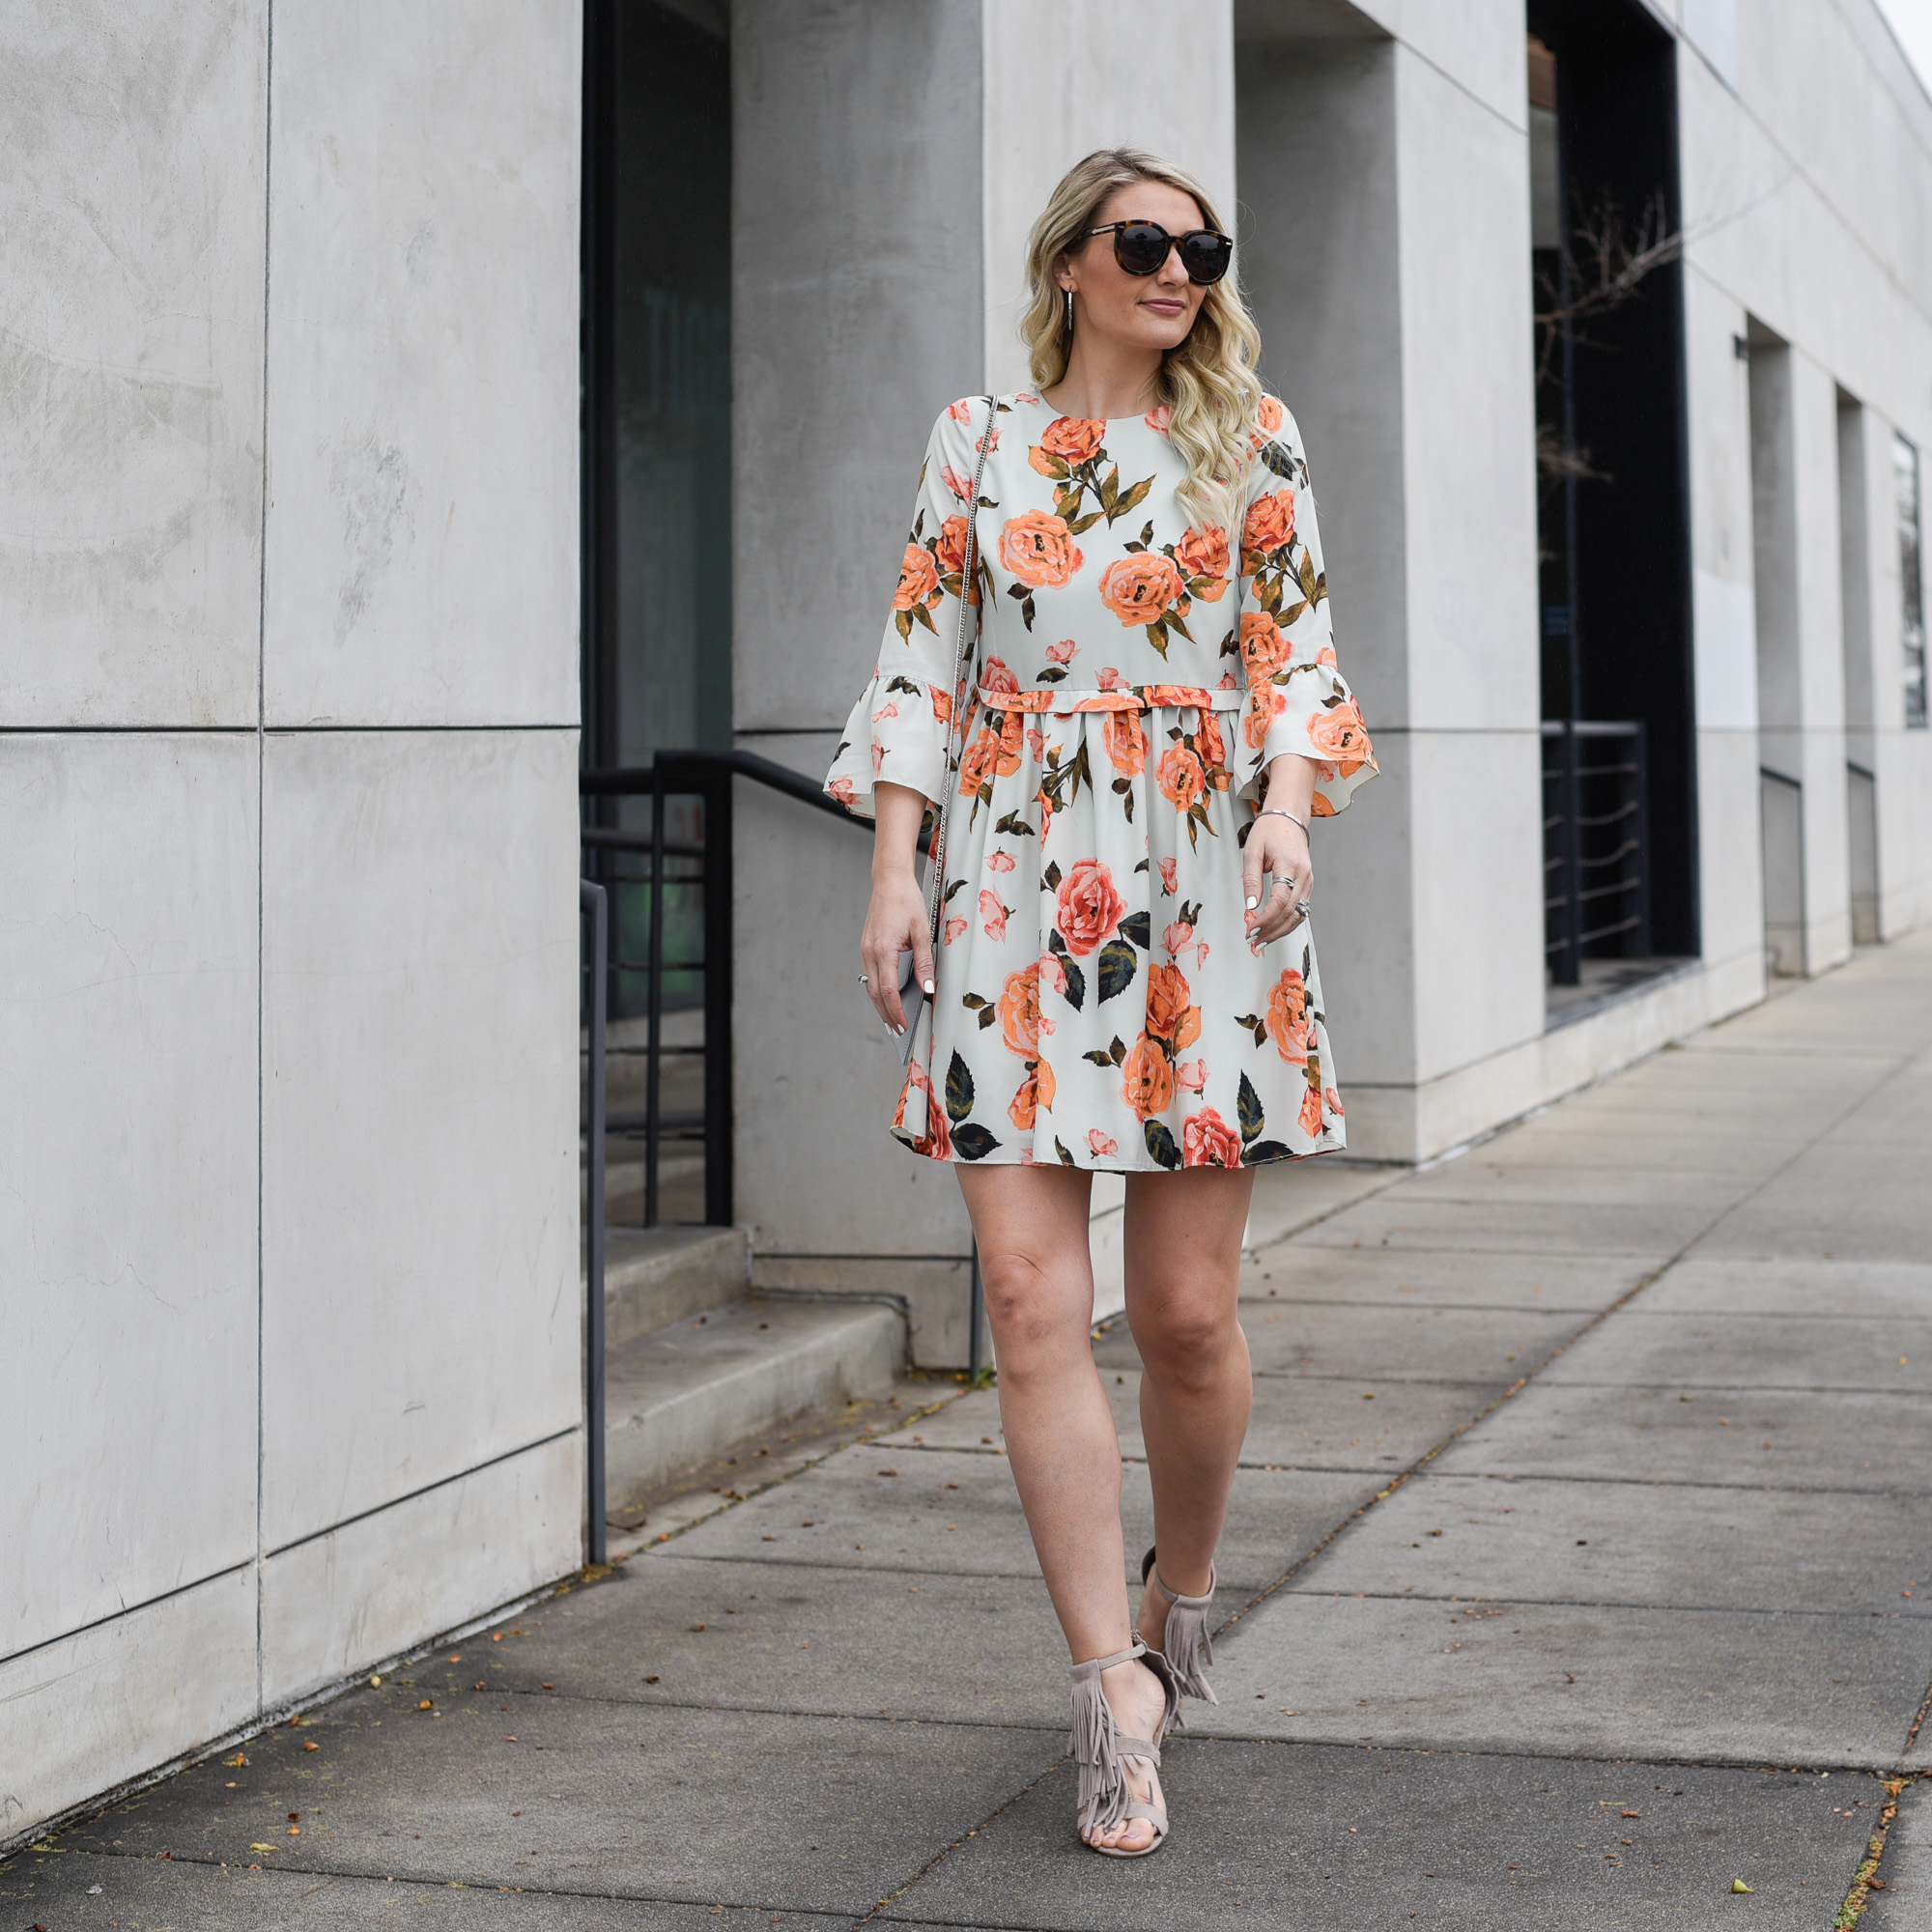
<point x="1213" y="748"/>
<point x="1264" y="648"/>
<point x="1126" y="741"/>
<point x="1169" y="1014"/>
<point x="1146" y="1080"/>
<point x="1036" y="1091"/>
<point x="1287" y="1017"/>
<point x="942" y="704"/>
<point x="950" y="550"/>
<point x="997" y="676"/>
<point x="1038" y="548"/>
<point x="1159" y="420"/>
<point x="1206" y="1140"/>
<point x="1270" y="522"/>
<point x="1264" y="707"/>
<point x="1269" y="414"/>
<point x="1205" y="553"/>
<point x="1020" y="1012"/>
<point x="1073" y="439"/>
<point x="919" y="580"/>
<point x="1339" y="733"/>
<point x="1089" y="910"/>
<point x="841" y="789"/>
<point x="976" y="768"/>
<point x="1137" y="589"/>
<point x="1101" y="1147"/>
<point x="1311" y="1114"/>
<point x="1182" y="780"/>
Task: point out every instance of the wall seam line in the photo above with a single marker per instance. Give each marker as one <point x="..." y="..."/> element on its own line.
<point x="427" y="1490"/>
<point x="261" y="826"/>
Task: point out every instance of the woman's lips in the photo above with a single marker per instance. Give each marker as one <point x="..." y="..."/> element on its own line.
<point x="1162" y="307"/>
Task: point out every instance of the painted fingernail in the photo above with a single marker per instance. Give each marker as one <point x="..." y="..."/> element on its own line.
<point x="1252" y="903"/>
<point x="927" y="984"/>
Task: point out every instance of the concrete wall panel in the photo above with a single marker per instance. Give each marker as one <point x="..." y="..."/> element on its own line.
<point x="130" y="361"/>
<point x="1061" y="81"/>
<point x="127" y="1173"/>
<point x="422" y="517"/>
<point x="816" y="1074"/>
<point x="344" y="1601"/>
<point x="419" y="1251"/>
<point x="89" y="1711"/>
<point x="857" y="318"/>
<point x="1468" y="412"/>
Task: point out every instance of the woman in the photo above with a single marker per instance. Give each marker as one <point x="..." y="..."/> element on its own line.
<point x="1154" y="719"/>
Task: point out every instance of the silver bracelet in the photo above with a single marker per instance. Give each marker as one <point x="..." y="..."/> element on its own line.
<point x="1275" y="811"/>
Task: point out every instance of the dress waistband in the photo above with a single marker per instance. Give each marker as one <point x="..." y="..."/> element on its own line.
<point x="1126" y="697"/>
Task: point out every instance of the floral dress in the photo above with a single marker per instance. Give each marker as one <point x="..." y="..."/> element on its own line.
<point x="1098" y="1002"/>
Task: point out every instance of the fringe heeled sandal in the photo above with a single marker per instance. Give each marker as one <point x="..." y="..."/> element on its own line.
<point x="1185" y="1647"/>
<point x="1102" y="1751"/>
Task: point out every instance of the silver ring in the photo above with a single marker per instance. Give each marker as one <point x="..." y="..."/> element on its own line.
<point x="1303" y="907"/>
<point x="863" y="980"/>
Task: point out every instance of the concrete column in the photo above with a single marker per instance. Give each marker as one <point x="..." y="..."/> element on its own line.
<point x="1390" y="289"/>
<point x="1800" y="664"/>
<point x="1725" y="639"/>
<point x="858" y="315"/>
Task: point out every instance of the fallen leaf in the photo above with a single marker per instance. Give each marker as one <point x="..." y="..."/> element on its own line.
<point x="260" y="1848"/>
<point x="650" y="1679"/>
<point x="697" y="1627"/>
<point x="479" y="1687"/>
<point x="889" y="1472"/>
<point x="1629" y="1814"/>
<point x="1737" y="1885"/>
<point x="428" y="1703"/>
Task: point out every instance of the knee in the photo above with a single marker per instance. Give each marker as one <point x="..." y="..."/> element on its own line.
<point x="1029" y="1309"/>
<point x="1185" y="1337"/>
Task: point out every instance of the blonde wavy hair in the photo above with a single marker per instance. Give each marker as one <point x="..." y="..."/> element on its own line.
<point x="1207" y="382"/>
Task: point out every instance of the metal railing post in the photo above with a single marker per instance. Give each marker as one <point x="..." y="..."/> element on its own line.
<point x="654" y="1002"/>
<point x="720" y="884"/>
<point x="592" y="899"/>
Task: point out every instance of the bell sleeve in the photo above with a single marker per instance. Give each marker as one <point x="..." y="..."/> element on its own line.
<point x="898" y="729"/>
<point x="1297" y="698"/>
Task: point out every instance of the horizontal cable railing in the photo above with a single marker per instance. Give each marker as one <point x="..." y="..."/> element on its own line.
<point x="1596" y="841"/>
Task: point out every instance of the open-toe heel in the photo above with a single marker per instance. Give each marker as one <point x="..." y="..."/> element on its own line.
<point x="1103" y="1752"/>
<point x="1186" y="1648"/>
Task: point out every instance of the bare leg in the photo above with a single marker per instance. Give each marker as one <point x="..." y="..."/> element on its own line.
<point x="1031" y="1224"/>
<point x="1184" y="1260"/>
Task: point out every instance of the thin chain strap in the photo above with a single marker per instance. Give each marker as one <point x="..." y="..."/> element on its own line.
<point x="935" y="885"/>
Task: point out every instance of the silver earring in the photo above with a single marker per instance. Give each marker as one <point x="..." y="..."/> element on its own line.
<point x="1070" y="310"/>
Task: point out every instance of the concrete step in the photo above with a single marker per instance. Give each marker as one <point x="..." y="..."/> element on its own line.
<point x="689" y="1391"/>
<point x="654" y="1276"/>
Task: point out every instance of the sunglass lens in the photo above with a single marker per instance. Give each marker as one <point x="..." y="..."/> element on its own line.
<point x="1141" y="247"/>
<point x="1205" y="255"/>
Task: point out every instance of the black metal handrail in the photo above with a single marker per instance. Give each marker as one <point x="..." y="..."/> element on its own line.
<point x="708" y="776"/>
<point x="1596" y="841"/>
<point x="591" y="899"/>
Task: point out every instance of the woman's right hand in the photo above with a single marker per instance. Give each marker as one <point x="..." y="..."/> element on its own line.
<point x="895" y="918"/>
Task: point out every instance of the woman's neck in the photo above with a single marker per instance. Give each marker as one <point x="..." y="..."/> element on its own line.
<point x="1106" y="381"/>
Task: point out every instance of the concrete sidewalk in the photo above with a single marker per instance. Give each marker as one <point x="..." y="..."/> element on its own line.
<point x="1588" y="1468"/>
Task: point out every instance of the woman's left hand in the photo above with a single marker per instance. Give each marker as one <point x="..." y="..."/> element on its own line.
<point x="1279" y="847"/>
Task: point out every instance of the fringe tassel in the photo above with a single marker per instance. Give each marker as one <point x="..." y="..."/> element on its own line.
<point x="1095" y="1747"/>
<point x="1189" y="1647"/>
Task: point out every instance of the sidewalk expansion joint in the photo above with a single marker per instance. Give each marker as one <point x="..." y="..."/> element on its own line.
<point x="1610" y="1603"/>
<point x="945" y="1851"/>
<point x="1867" y="1876"/>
